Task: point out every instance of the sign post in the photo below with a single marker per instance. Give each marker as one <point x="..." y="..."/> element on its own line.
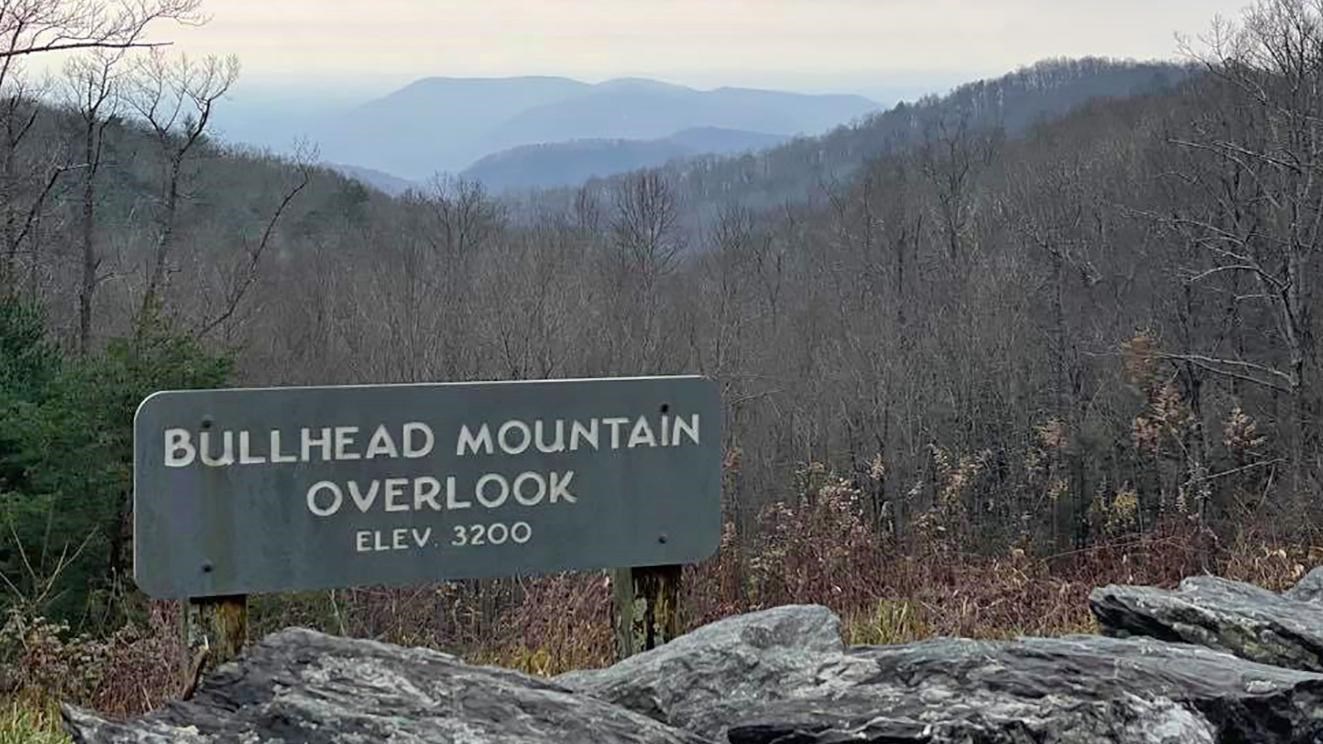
<point x="288" y="489"/>
<point x="646" y="602"/>
<point x="215" y="631"/>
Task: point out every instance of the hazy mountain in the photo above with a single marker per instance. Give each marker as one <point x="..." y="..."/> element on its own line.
<point x="446" y="124"/>
<point x="797" y="170"/>
<point x="634" y="109"/>
<point x="574" y="162"/>
<point x="383" y="182"/>
<point x="435" y="124"/>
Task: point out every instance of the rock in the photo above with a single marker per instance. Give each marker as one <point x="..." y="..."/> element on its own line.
<point x="776" y="677"/>
<point x="1076" y="690"/>
<point x="1309" y="589"/>
<point x="699" y="680"/>
<point x="301" y="686"/>
<point x="1230" y="616"/>
<point x="783" y="676"/>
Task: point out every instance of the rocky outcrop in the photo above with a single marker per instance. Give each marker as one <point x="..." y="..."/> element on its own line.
<point x="783" y="676"/>
<point x="1230" y="616"/>
<point x="301" y="686"/>
<point x="1082" y="689"/>
<point x="1310" y="588"/>
<point x="701" y="681"/>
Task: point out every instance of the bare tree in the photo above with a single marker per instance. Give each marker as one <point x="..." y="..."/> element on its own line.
<point x="240" y="279"/>
<point x="645" y="225"/>
<point x="93" y="90"/>
<point x="1258" y="154"/>
<point x="28" y="176"/>
<point x="38" y="26"/>
<point x="953" y="155"/>
<point x="176" y="97"/>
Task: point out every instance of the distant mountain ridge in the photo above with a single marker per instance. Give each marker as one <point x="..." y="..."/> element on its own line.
<point x="447" y="124"/>
<point x="383" y="182"/>
<point x="576" y="161"/>
<point x="797" y="170"/>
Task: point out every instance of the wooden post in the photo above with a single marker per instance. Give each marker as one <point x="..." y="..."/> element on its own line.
<point x="215" y="631"/>
<point x="647" y="602"/>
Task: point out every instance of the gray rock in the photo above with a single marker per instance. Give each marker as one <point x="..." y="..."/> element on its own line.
<point x="749" y="659"/>
<point x="783" y="676"/>
<point x="1230" y="616"/>
<point x="1309" y="589"/>
<point x="301" y="686"/>
<point x="776" y="677"/>
<point x="1076" y="690"/>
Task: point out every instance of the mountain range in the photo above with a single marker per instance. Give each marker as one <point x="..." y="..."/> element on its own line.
<point x="446" y="125"/>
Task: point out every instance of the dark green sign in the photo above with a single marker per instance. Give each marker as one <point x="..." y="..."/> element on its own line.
<point x="260" y="490"/>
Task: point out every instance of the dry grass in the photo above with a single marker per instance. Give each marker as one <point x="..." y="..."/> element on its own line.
<point x="26" y="720"/>
<point x="820" y="551"/>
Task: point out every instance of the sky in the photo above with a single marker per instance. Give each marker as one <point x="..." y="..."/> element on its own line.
<point x="862" y="46"/>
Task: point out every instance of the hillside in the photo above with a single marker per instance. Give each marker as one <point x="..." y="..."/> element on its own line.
<point x="577" y="161"/>
<point x="798" y="170"/>
<point x="446" y="124"/>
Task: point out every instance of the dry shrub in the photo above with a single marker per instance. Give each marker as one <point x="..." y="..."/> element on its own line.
<point x="142" y="668"/>
<point x="563" y="623"/>
<point x="133" y="671"/>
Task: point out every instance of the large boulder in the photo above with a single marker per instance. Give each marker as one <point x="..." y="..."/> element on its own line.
<point x="1308" y="589"/>
<point x="301" y="686"/>
<point x="783" y="676"/>
<point x="703" y="679"/>
<point x="776" y="677"/>
<point x="1231" y="616"/>
<point x="1076" y="690"/>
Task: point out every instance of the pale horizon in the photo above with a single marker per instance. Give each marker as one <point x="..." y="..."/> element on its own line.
<point x="817" y="46"/>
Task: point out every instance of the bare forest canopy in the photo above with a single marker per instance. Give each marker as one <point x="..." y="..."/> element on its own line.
<point x="1061" y="305"/>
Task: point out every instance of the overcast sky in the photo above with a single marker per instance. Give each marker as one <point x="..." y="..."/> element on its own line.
<point x="813" y="45"/>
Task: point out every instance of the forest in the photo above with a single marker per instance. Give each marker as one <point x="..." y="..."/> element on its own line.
<point x="974" y="352"/>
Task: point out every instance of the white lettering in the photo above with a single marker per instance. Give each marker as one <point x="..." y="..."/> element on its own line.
<point x="276" y="456"/>
<point x="474" y="444"/>
<point x="556" y="446"/>
<point x="522" y="428"/>
<point x="309" y="442"/>
<point x="421" y="539"/>
<point x="428" y="496"/>
<point x="179" y="451"/>
<point x="337" y="499"/>
<point x="227" y="455"/>
<point x="642" y="434"/>
<point x="412" y="450"/>
<point x="615" y="424"/>
<point x="492" y="503"/>
<point x="364" y="501"/>
<point x="245" y="457"/>
<point x="381" y="444"/>
<point x="579" y="432"/>
<point x="395" y="490"/>
<point x="689" y="429"/>
<point x="537" y="496"/>
<point x="452" y="502"/>
<point x="561" y="489"/>
<point x="361" y="538"/>
<point x="344" y="439"/>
